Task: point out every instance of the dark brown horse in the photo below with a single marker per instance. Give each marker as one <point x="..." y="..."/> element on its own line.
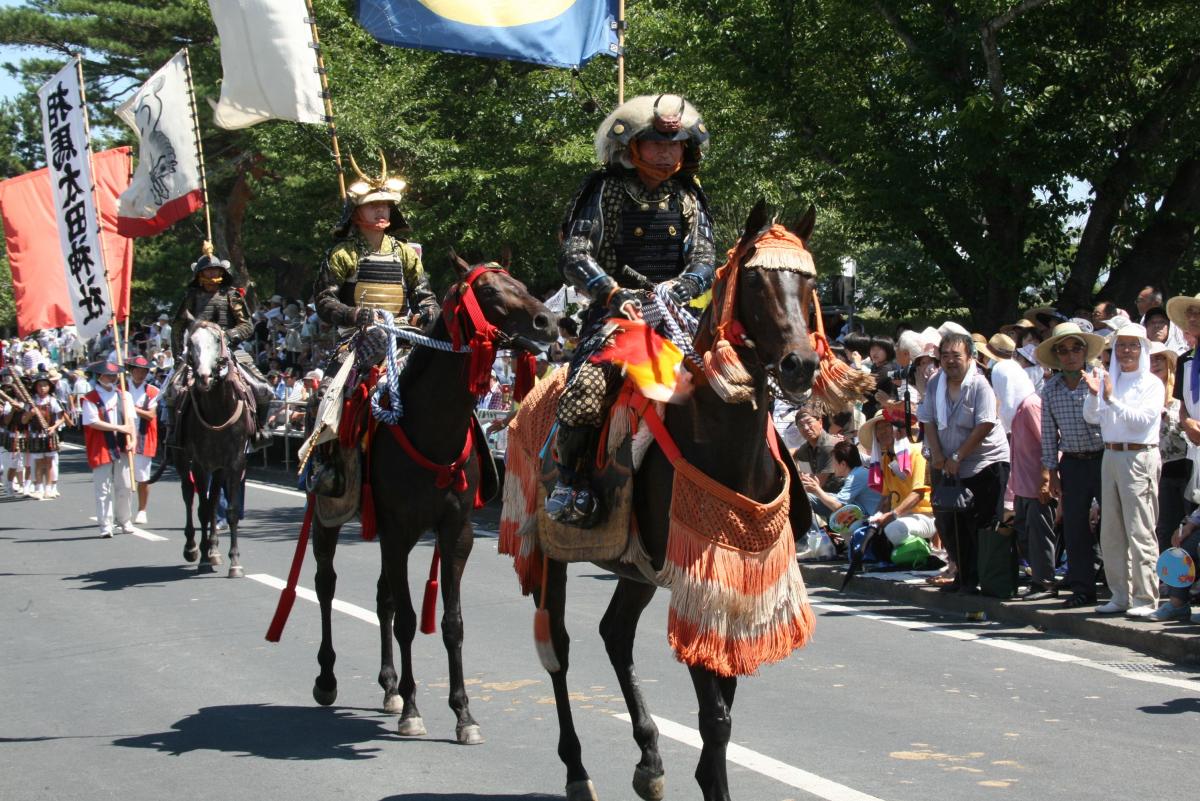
<point x="726" y="442"/>
<point x="438" y="417"/>
<point x="216" y="426"/>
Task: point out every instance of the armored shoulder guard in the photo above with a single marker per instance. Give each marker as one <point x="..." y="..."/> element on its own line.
<point x="583" y="234"/>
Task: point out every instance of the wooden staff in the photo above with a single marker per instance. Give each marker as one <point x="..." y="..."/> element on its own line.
<point x="621" y="52"/>
<point x="117" y="344"/>
<point x="187" y="61"/>
<point x="25" y="397"/>
<point x="332" y="126"/>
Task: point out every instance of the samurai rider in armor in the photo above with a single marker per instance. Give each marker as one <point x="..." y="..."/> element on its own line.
<point x="370" y="270"/>
<point x="639" y="221"/>
<point x="211" y="296"/>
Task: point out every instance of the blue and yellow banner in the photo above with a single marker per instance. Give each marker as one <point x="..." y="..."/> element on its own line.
<point x="558" y="33"/>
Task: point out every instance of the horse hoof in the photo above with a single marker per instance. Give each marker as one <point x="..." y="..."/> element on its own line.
<point x="205" y="567"/>
<point x="582" y="791"/>
<point x="324" y="697"/>
<point x="393" y="704"/>
<point x="649" y="786"/>
<point x="215" y="559"/>
<point x="236" y="571"/>
<point x="191" y="554"/>
<point x="469" y="735"/>
<point x="411" y="727"/>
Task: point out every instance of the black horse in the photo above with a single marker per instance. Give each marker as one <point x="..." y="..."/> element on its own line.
<point x="438" y="419"/>
<point x="211" y="459"/>
<point x="726" y="442"/>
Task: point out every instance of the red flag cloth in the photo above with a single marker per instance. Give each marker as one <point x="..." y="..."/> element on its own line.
<point x="39" y="276"/>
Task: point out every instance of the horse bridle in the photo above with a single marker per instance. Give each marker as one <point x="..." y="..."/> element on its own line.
<point x="222" y="368"/>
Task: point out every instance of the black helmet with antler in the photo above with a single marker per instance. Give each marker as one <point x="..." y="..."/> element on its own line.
<point x="368" y="189"/>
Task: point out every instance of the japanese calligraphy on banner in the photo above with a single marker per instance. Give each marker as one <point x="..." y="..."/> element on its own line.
<point x="68" y="157"/>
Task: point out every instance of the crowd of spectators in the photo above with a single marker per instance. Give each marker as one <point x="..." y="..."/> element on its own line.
<point x="1078" y="434"/>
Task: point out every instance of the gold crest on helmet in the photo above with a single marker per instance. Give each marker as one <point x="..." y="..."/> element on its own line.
<point x="368" y="189"/>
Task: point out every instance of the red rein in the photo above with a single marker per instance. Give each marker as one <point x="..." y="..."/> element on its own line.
<point x="468" y="325"/>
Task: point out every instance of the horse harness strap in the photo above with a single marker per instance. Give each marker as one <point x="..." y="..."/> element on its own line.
<point x="444" y="474"/>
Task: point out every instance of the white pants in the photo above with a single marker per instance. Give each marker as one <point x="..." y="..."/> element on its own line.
<point x="901" y="528"/>
<point x="110" y="483"/>
<point x="1128" y="513"/>
<point x="141" y="467"/>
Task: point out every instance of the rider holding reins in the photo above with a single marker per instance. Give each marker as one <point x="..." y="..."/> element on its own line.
<point x="212" y="297"/>
<point x="641" y="219"/>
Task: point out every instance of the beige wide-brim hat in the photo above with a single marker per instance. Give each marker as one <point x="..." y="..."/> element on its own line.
<point x="866" y="432"/>
<point x="1177" y="308"/>
<point x="1159" y="349"/>
<point x="999" y="347"/>
<point x="1045" y="351"/>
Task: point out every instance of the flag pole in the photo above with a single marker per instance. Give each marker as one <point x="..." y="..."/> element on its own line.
<point x="117" y="344"/>
<point x="620" y="52"/>
<point x="332" y="126"/>
<point x="187" y="61"/>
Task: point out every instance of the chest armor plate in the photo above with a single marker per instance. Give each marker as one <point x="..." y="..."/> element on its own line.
<point x="650" y="240"/>
<point x="378" y="283"/>
<point x="214" y="308"/>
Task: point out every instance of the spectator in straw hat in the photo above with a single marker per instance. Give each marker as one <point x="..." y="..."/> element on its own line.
<point x="1184" y="311"/>
<point x="897" y="471"/>
<point x="1072" y="449"/>
<point x="1177" y="465"/>
<point x="999" y="347"/>
<point x="1126" y="402"/>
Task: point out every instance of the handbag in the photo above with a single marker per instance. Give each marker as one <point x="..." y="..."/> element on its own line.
<point x="951" y="495"/>
<point x="997" y="561"/>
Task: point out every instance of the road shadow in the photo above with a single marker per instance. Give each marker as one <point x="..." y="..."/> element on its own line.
<point x="472" y="797"/>
<point x="1179" y="706"/>
<point x="121" y="578"/>
<point x="270" y="732"/>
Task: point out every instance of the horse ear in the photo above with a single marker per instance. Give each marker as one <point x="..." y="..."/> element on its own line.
<point x="756" y="221"/>
<point x="803" y="227"/>
<point x="506" y="256"/>
<point x="458" y="264"/>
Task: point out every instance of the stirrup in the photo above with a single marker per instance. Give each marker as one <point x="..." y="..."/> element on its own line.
<point x="560" y="504"/>
<point x="327" y="480"/>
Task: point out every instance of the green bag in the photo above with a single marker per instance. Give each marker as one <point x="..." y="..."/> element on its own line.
<point x="912" y="552"/>
<point x="997" y="562"/>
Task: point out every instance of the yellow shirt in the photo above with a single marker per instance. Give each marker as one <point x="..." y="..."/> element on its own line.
<point x="897" y="488"/>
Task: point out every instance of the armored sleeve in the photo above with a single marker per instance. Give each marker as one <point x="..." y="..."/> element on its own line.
<point x="699" y="251"/>
<point x="579" y="260"/>
<point x="242" y="327"/>
<point x="179" y="323"/>
<point x="339" y="265"/>
<point x="421" y="299"/>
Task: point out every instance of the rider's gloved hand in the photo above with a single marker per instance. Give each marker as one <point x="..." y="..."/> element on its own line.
<point x="684" y="290"/>
<point x="625" y="303"/>
<point x="364" y="316"/>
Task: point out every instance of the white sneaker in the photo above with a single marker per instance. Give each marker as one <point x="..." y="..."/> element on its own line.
<point x="140" y="518"/>
<point x="1111" y="608"/>
<point x="36" y="495"/>
<point x="52" y="492"/>
<point x="28" y="488"/>
<point x="18" y="489"/>
<point x="106" y="534"/>
<point x="127" y="528"/>
<point x="1143" y="610"/>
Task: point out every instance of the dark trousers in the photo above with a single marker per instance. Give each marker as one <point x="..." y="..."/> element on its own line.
<point x="1033" y="522"/>
<point x="960" y="531"/>
<point x="1172" y="505"/>
<point x="1080" y="481"/>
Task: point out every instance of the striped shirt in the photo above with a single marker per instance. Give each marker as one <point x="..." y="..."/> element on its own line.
<point x="1063" y="426"/>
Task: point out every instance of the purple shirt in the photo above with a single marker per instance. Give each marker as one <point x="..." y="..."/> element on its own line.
<point x="1025" y="478"/>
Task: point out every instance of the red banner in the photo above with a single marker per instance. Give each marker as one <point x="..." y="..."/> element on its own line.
<point x="30" y="232"/>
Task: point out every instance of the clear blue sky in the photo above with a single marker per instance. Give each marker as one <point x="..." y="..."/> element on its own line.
<point x="12" y="55"/>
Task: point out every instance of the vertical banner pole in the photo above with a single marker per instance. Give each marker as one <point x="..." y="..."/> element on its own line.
<point x="118" y="345"/>
<point x="620" y="52"/>
<point x="332" y="126"/>
<point x="187" y="60"/>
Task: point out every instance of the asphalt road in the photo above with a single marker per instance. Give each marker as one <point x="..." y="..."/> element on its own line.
<point x="128" y="676"/>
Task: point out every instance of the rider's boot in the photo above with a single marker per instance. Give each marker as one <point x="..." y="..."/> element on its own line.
<point x="262" y="432"/>
<point x="573" y="501"/>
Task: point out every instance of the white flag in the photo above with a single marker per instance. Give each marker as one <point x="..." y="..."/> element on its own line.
<point x="68" y="157"/>
<point x="166" y="183"/>
<point x="268" y="61"/>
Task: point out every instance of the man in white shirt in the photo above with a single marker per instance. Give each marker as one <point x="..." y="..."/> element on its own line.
<point x="1127" y="403"/>
<point x="145" y="404"/>
<point x="108" y="420"/>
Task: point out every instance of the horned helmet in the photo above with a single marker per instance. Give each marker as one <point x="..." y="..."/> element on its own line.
<point x="208" y="259"/>
<point x="369" y="189"/>
<point x="664" y="118"/>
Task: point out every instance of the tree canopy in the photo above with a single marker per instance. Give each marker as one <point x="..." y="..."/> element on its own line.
<point x="972" y="155"/>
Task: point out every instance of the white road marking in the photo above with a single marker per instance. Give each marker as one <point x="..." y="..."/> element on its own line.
<point x="761" y="763"/>
<point x="280" y="490"/>
<point x="141" y="532"/>
<point x="1008" y="645"/>
<point x="303" y="592"/>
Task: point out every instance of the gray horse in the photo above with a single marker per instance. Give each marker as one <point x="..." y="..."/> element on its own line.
<point x="215" y="424"/>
